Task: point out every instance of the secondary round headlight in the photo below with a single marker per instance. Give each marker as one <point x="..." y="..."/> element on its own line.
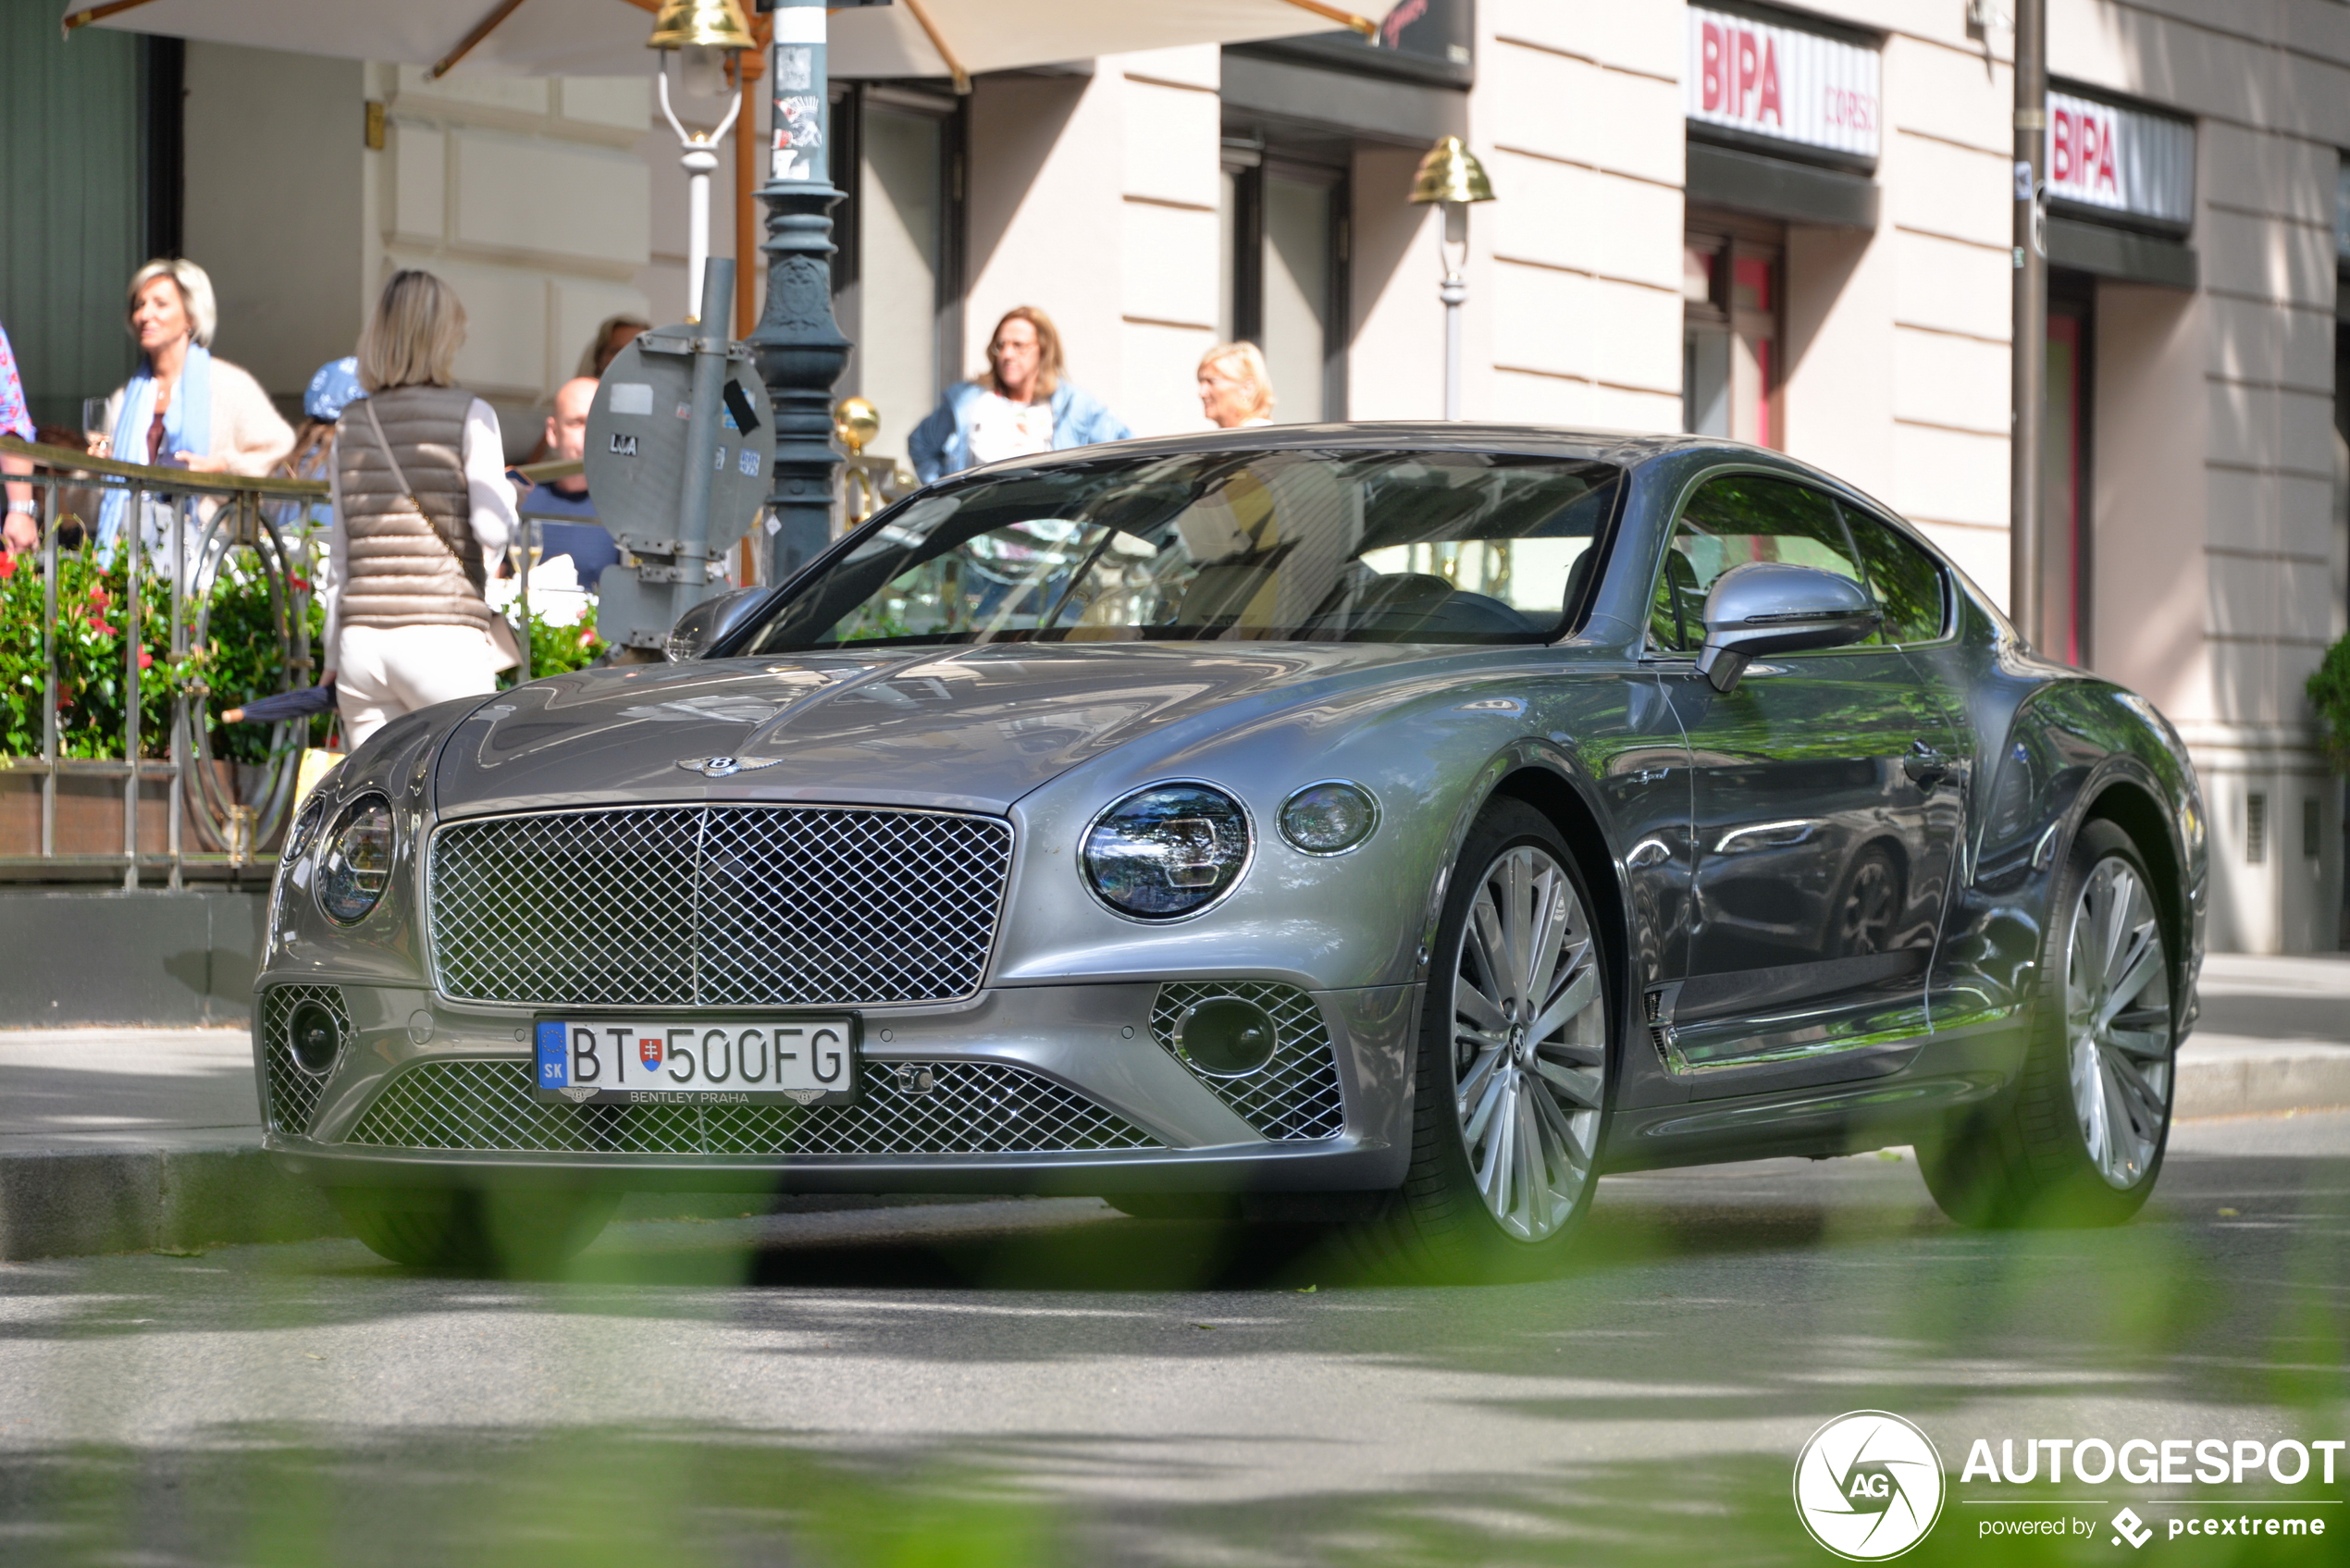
<point x="308" y="819"/>
<point x="1167" y="850"/>
<point x="1328" y="817"/>
<point x="356" y="866"/>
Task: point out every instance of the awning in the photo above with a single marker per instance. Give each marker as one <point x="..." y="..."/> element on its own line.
<point x="910" y="38"/>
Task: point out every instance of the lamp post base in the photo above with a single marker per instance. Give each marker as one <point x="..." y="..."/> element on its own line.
<point x="801" y="354"/>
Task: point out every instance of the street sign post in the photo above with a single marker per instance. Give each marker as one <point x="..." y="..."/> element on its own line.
<point x="680" y="452"/>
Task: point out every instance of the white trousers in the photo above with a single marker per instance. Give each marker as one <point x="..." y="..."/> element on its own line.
<point x="383" y="672"/>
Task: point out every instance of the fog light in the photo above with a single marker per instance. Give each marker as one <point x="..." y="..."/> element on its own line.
<point x="314" y="1036"/>
<point x="1225" y="1037"/>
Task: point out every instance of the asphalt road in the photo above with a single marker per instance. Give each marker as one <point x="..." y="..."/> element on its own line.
<point x="1041" y="1382"/>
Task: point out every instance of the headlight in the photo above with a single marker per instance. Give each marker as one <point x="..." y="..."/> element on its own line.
<point x="356" y="866"/>
<point x="1329" y="818"/>
<point x="1169" y="850"/>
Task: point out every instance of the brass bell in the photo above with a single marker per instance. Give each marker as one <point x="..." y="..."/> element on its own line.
<point x="1451" y="173"/>
<point x="700" y="24"/>
<point x="856" y="422"/>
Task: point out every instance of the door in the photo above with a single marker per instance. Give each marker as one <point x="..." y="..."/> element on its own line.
<point x="1826" y="822"/>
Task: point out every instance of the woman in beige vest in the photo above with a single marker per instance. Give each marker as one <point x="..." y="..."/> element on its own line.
<point x="422" y="510"/>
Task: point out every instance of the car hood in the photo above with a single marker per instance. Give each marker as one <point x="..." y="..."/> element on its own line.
<point x="964" y="728"/>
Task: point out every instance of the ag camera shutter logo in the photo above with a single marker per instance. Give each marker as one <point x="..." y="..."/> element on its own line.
<point x="1868" y="1486"/>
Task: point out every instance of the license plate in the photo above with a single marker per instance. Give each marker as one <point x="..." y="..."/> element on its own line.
<point x="806" y="1060"/>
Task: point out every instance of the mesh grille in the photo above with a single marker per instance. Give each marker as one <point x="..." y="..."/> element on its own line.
<point x="716" y="905"/>
<point x="975" y="1108"/>
<point x="293" y="1093"/>
<point x="1293" y="1098"/>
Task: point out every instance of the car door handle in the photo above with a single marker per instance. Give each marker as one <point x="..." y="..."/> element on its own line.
<point x="1926" y="766"/>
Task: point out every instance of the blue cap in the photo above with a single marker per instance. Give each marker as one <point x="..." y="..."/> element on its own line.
<point x="334" y="388"/>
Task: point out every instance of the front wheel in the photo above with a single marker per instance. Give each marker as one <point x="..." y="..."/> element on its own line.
<point x="2079" y="1138"/>
<point x="1515" y="1062"/>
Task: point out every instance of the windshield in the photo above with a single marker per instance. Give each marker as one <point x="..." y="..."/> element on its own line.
<point x="1288" y="544"/>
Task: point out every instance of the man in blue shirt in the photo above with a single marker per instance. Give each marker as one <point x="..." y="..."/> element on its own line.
<point x="582" y="538"/>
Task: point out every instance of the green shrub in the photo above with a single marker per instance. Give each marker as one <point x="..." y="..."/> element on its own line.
<point x="2329" y="692"/>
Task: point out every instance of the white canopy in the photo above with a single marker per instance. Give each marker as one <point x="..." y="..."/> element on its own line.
<point x="607" y="37"/>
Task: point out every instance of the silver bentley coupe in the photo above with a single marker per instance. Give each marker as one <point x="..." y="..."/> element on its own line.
<point x="1391" y="828"/>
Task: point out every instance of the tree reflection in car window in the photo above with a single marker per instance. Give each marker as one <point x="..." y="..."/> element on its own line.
<point x="1906" y="580"/>
<point x="1729" y="522"/>
<point x="1285" y="544"/>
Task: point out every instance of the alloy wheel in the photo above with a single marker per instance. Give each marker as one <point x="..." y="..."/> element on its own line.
<point x="2116" y="1017"/>
<point x="1871" y="906"/>
<point x="1529" y="1042"/>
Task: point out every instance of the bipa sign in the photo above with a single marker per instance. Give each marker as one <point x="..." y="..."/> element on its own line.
<point x="2123" y="160"/>
<point x="1782" y="82"/>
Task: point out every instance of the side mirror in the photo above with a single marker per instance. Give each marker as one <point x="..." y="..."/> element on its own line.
<point x="1772" y="607"/>
<point x="700" y="629"/>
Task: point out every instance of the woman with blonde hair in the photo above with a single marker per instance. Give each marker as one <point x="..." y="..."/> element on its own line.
<point x="1235" y="390"/>
<point x="181" y="408"/>
<point x="1021" y="405"/>
<point x="422" y="507"/>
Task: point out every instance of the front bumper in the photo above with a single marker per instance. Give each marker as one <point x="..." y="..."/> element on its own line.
<point x="1031" y="1089"/>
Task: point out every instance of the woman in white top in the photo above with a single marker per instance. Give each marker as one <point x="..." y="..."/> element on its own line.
<point x="1021" y="405"/>
<point x="423" y="510"/>
<point x="1235" y="390"/>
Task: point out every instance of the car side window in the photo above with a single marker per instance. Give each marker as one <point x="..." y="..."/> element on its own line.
<point x="1907" y="580"/>
<point x="1729" y="522"/>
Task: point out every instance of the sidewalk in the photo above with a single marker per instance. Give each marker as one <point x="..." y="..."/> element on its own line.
<point x="115" y="1139"/>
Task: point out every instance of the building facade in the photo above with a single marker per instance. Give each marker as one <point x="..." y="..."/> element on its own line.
<point x="1788" y="225"/>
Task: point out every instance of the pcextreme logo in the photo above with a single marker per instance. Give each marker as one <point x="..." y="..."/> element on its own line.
<point x="1868" y="1486"/>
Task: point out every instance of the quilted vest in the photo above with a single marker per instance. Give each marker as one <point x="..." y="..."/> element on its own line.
<point x="408" y="570"/>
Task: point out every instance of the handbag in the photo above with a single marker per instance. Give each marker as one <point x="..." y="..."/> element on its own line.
<point x="501" y="631"/>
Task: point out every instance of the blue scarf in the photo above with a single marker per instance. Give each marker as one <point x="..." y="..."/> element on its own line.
<point x="187" y="426"/>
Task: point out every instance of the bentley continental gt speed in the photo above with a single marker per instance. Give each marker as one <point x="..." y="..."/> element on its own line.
<point x="1393" y="827"/>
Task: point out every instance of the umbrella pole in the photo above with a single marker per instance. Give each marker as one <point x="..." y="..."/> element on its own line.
<point x="799" y="343"/>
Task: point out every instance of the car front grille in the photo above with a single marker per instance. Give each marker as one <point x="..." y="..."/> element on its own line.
<point x="293" y="1091"/>
<point x="967" y="1108"/>
<point x="716" y="905"/>
<point x="1293" y="1098"/>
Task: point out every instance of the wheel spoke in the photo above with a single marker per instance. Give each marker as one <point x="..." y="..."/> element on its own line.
<point x="1575" y="1156"/>
<point x="2143" y="970"/>
<point x="1579" y="993"/>
<point x="1583" y="1085"/>
<point x="2118" y="1018"/>
<point x="1472" y="1001"/>
<point x="1479" y="1092"/>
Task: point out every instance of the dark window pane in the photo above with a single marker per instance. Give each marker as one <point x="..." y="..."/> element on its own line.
<point x="1732" y="521"/>
<point x="1906" y="580"/>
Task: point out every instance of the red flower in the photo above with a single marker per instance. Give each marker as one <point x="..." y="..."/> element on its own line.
<point x="145" y="659"/>
<point x="8" y="567"/>
<point x="302" y="583"/>
<point x="101" y="628"/>
<point x="98" y="595"/>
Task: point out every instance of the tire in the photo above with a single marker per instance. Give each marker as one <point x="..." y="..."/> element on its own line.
<point x="517" y="1235"/>
<point x="1508" y="1118"/>
<point x="2078" y="1139"/>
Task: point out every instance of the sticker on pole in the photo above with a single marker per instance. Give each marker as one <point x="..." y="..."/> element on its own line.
<point x="1868" y="1486"/>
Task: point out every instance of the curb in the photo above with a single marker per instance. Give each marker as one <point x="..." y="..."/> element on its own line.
<point x="2223" y="1084"/>
<point x="65" y="1203"/>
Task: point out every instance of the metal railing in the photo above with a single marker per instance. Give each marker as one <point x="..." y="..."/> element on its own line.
<point x="203" y="520"/>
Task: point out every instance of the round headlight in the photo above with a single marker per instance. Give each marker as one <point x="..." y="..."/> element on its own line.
<point x="1328" y="817"/>
<point x="356" y="866"/>
<point x="1169" y="850"/>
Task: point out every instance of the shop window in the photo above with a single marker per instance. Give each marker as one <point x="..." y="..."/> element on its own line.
<point x="1731" y="301"/>
<point x="1283" y="276"/>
